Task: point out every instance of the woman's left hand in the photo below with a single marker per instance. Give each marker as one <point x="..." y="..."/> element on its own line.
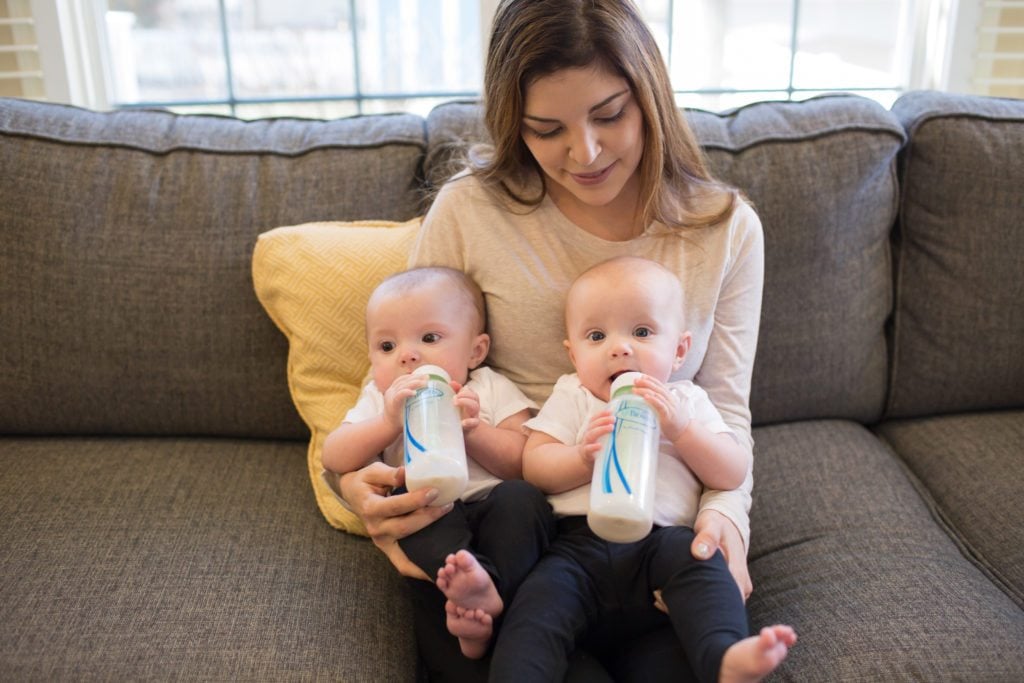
<point x="716" y="531"/>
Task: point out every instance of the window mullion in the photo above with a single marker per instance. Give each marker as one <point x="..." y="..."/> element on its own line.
<point x="793" y="47"/>
<point x="671" y="32"/>
<point x="228" y="71"/>
<point x="357" y="76"/>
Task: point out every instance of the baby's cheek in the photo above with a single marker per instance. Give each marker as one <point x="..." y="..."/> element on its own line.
<point x="382" y="378"/>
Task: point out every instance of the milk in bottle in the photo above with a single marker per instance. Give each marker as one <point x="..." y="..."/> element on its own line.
<point x="622" y="487"/>
<point x="435" y="451"/>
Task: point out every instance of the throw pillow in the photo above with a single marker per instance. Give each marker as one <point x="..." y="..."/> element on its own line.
<point x="314" y="281"/>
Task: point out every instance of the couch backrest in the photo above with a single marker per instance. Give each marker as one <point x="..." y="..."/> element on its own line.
<point x="822" y="176"/>
<point x="958" y="327"/>
<point x="127" y="304"/>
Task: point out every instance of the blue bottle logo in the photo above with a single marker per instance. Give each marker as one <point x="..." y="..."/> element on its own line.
<point x="423" y="395"/>
<point x="631" y="417"/>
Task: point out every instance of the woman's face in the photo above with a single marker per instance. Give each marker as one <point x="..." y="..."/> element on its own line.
<point x="585" y="130"/>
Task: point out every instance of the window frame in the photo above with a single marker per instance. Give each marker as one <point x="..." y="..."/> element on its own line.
<point x="77" y="70"/>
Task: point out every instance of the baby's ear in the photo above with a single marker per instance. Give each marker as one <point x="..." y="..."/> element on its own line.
<point x="481" y="345"/>
<point x="568" y="347"/>
<point x="685" y="339"/>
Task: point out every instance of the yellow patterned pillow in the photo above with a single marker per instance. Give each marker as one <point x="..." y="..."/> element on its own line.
<point x="314" y="281"/>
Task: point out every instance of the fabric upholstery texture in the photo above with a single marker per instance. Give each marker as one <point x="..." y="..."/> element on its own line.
<point x="452" y="127"/>
<point x="973" y="469"/>
<point x="845" y="550"/>
<point x="822" y="176"/>
<point x="961" y="240"/>
<point x="186" y="559"/>
<point x="128" y="306"/>
<point x="314" y="281"/>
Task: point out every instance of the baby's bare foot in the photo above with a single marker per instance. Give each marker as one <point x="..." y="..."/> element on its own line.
<point x="753" y="658"/>
<point x="473" y="602"/>
<point x="473" y="628"/>
<point x="468" y="585"/>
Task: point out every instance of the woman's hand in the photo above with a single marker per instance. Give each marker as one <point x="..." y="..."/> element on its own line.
<point x="716" y="531"/>
<point x="388" y="518"/>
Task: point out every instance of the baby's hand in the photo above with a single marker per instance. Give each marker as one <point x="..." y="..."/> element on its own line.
<point x="602" y="423"/>
<point x="468" y="403"/>
<point x="402" y="388"/>
<point x="674" y="410"/>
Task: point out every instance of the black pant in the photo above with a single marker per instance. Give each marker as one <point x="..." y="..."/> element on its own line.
<point x="507" y="532"/>
<point x="656" y="657"/>
<point x="588" y="591"/>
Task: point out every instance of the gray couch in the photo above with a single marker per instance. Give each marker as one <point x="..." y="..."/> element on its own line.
<point x="156" y="515"/>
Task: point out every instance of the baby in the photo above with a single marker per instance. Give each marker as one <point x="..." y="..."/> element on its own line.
<point x="627" y="315"/>
<point x="481" y="550"/>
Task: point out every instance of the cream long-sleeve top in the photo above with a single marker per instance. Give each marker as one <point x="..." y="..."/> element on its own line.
<point x="524" y="260"/>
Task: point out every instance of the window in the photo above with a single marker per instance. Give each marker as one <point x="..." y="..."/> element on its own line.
<point x="999" y="60"/>
<point x="316" y="57"/>
<point x="725" y="53"/>
<point x="328" y="58"/>
<point x="20" y="72"/>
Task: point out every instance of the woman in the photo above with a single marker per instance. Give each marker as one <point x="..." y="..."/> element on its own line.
<point x="590" y="159"/>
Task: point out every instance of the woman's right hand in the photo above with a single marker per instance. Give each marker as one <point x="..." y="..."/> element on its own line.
<point x="388" y="518"/>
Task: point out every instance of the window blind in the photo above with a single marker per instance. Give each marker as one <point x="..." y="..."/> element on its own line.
<point x="999" y="60"/>
<point x="20" y="72"/>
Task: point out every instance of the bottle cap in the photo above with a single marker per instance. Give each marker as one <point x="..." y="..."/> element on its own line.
<point x="623" y="384"/>
<point x="434" y="370"/>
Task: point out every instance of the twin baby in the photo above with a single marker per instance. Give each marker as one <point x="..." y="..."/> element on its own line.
<point x="497" y="565"/>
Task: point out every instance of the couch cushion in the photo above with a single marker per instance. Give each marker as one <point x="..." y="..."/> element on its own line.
<point x="821" y="174"/>
<point x="959" y="319"/>
<point x="314" y="281"/>
<point x="127" y="301"/>
<point x="822" y="177"/>
<point x="973" y="468"/>
<point x="186" y="560"/>
<point x="452" y="127"/>
<point x="844" y="548"/>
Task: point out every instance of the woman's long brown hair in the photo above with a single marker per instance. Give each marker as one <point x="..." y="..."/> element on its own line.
<point x="531" y="39"/>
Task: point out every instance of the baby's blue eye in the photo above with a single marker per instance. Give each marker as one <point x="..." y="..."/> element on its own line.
<point x="431" y="338"/>
<point x="643" y="332"/>
<point x="595" y="336"/>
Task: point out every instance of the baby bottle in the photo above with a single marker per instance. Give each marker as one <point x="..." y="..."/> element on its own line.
<point x="435" y="451"/>
<point x="622" y="488"/>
